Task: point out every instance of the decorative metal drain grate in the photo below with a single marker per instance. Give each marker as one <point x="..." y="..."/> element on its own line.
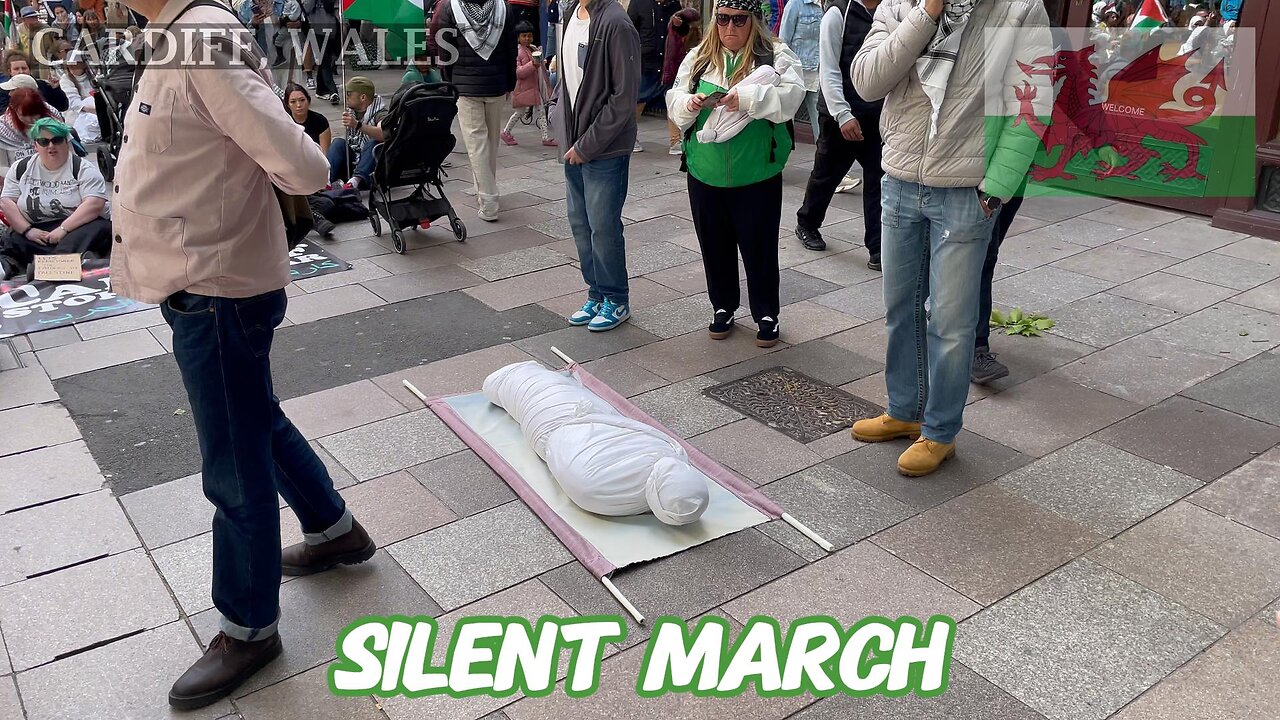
<point x="796" y="405"/>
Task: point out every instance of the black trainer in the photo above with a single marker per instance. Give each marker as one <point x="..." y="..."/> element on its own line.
<point x="812" y="239"/>
<point x="874" y="262"/>
<point x="721" y="325"/>
<point x="986" y="369"/>
<point x="767" y="335"/>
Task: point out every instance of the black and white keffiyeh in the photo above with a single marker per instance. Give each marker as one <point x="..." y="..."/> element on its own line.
<point x="481" y="23"/>
<point x="935" y="64"/>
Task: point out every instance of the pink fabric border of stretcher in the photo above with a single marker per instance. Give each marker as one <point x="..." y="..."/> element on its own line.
<point x="578" y="545"/>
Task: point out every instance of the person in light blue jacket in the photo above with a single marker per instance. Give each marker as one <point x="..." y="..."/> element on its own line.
<point x="253" y="14"/>
<point x="801" y="30"/>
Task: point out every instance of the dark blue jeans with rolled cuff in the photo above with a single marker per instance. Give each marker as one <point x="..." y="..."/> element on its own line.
<point x="250" y="452"/>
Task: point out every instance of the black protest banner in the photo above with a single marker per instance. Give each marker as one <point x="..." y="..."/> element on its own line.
<point x="309" y="260"/>
<point x="41" y="305"/>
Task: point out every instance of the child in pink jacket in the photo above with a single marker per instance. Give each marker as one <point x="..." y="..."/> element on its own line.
<point x="529" y="97"/>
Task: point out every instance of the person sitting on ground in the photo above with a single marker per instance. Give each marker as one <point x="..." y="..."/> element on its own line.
<point x="298" y="102"/>
<point x="530" y="96"/>
<point x="15" y="63"/>
<point x="25" y="108"/>
<point x="354" y="154"/>
<point x="420" y="70"/>
<point x="54" y="202"/>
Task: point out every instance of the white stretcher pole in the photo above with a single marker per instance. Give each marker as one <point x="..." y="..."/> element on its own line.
<point x="804" y="529"/>
<point x="622" y="599"/>
<point x="415" y="391"/>
<point x="567" y="360"/>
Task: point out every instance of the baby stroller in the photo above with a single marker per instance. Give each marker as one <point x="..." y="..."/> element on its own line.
<point x="418" y="139"/>
<point x="113" y="90"/>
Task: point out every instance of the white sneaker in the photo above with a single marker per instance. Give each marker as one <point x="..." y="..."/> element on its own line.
<point x="487" y="214"/>
<point x="638" y="147"/>
<point x="677" y="148"/>
<point x="849" y="183"/>
<point x="311" y="83"/>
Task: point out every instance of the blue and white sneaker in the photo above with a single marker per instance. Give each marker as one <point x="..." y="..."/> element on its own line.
<point x="609" y="317"/>
<point x="586" y="313"/>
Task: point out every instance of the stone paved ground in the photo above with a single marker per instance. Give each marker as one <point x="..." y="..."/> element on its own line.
<point x="1108" y="536"/>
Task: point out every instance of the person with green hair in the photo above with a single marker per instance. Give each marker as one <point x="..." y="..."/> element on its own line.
<point x="54" y="202"/>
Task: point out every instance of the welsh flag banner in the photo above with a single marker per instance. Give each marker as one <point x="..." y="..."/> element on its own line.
<point x="1151" y="16"/>
<point x="405" y="20"/>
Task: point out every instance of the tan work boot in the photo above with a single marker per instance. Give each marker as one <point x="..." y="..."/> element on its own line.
<point x="924" y="456"/>
<point x="880" y="429"/>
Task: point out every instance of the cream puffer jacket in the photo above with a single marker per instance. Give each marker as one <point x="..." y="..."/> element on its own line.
<point x="959" y="154"/>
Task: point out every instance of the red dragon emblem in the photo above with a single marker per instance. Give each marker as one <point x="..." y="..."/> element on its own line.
<point x="1134" y="108"/>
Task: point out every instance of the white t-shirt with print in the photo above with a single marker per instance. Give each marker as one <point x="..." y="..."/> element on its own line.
<point x="44" y="195"/>
<point x="576" y="36"/>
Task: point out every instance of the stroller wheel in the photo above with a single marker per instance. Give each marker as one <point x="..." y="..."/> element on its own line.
<point x="397" y="241"/>
<point x="376" y="222"/>
<point x="459" y="230"/>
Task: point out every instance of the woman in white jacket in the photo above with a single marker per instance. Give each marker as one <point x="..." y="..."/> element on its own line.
<point x="735" y="180"/>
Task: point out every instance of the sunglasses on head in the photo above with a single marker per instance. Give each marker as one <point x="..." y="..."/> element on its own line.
<point x="738" y="20"/>
<point x="46" y="142"/>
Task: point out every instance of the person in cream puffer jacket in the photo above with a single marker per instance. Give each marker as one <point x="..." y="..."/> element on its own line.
<point x="948" y="169"/>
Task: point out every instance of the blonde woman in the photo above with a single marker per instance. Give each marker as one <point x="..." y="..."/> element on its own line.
<point x="735" y="185"/>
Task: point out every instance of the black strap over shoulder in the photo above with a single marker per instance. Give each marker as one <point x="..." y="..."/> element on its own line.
<point x="21" y="168"/>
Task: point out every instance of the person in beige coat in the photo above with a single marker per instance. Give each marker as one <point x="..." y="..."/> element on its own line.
<point x="947" y="174"/>
<point x="199" y="231"/>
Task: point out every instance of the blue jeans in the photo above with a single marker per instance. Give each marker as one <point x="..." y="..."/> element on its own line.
<point x="341" y="163"/>
<point x="934" y="245"/>
<point x="811" y="105"/>
<point x="250" y="452"/>
<point x="596" y="191"/>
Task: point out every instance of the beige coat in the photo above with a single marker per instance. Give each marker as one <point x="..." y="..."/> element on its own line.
<point x="194" y="206"/>
<point x="957" y="156"/>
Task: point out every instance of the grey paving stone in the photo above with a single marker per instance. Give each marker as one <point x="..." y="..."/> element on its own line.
<point x="1183" y="238"/>
<point x="473" y="557"/>
<point x="187" y="568"/>
<point x="396" y="506"/>
<point x="684" y="409"/>
<point x="91" y="686"/>
<point x="840" y="508"/>
<point x="624" y="376"/>
<point x="1045" y="289"/>
<point x="529" y="288"/>
<point x="330" y="303"/>
<point x="35" y="426"/>
<point x="163" y="335"/>
<point x="55" y="337"/>
<point x="1248" y="495"/>
<point x="393" y="444"/>
<point x="685" y="585"/>
<point x="843" y="269"/>
<point x="1232" y="679"/>
<point x="5" y="667"/>
<point x="103" y="352"/>
<point x="1123" y="639"/>
<point x="1105" y="319"/>
<point x="1115" y="262"/>
<point x="1029" y="358"/>
<point x="795" y="287"/>
<point x="516" y="262"/>
<point x="1143" y="369"/>
<point x="755" y="451"/>
<point x="1031" y="250"/>
<point x="25" y="386"/>
<point x="452" y="375"/>
<point x="340" y="408"/>
<point x="423" y="283"/>
<point x="38" y="476"/>
<point x="1173" y="292"/>
<point x="1257" y="249"/>
<point x="1130" y="215"/>
<point x="511" y="232"/>
<point x="816" y="358"/>
<point x="583" y="345"/>
<point x="361" y="270"/>
<point x="1218" y="568"/>
<point x="1080" y="231"/>
<point x="316" y="608"/>
<point x="977" y="461"/>
<point x="850" y="585"/>
<point x="808" y="320"/>
<point x="644" y="258"/>
<point x="968" y="697"/>
<point x="1226" y="330"/>
<point x="1197" y="439"/>
<point x="1039" y="417"/>
<point x="1060" y="206"/>
<point x="554" y="227"/>
<point x="1227" y="271"/>
<point x="51" y="615"/>
<point x="62" y="533"/>
<point x="529" y="600"/>
<point x="1103" y="489"/>
<point x="307" y="696"/>
<point x="169" y="512"/>
<point x="464" y="483"/>
<point x="675" y="317"/>
<point x="1264" y="297"/>
<point x="864" y="300"/>
<point x="869" y="340"/>
<point x="686" y="356"/>
<point x="1237" y="389"/>
<point x="341" y="478"/>
<point x="10" y="705"/>
<point x="686" y="279"/>
<point x="669" y="229"/>
<point x="987" y="543"/>
<point x="358" y="248"/>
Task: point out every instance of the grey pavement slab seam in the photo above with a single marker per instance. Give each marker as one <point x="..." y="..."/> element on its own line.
<point x="59" y="534"/>
<point x="40" y="476"/>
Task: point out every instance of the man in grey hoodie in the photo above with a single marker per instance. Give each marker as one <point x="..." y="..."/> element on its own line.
<point x="593" y="115"/>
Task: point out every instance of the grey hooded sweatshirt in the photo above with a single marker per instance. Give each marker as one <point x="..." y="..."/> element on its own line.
<point x="601" y="122"/>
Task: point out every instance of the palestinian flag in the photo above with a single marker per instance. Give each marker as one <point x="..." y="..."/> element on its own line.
<point x="399" y="17"/>
<point x="1151" y="16"/>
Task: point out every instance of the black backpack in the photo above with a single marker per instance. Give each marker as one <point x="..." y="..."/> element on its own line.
<point x="24" y="163"/>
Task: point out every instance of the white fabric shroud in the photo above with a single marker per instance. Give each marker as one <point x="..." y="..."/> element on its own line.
<point x="606" y="463"/>
<point x="722" y="125"/>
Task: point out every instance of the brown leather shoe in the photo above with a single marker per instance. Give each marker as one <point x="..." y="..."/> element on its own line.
<point x="223" y="667"/>
<point x="351" y="549"/>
